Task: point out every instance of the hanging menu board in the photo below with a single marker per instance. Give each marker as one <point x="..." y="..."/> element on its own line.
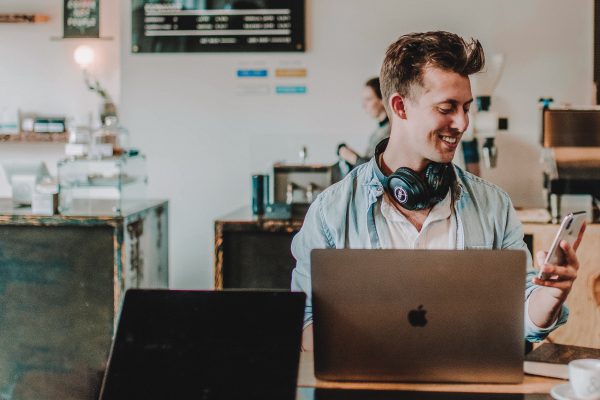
<point x="81" y="19"/>
<point x="175" y="26"/>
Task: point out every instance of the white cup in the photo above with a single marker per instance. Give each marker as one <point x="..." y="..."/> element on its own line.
<point x="584" y="375"/>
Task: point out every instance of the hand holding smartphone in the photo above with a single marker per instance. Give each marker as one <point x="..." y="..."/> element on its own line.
<point x="568" y="231"/>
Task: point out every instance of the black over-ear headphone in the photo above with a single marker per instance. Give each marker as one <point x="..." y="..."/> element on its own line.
<point x="409" y="190"/>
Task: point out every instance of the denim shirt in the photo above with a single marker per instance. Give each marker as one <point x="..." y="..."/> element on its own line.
<point x="342" y="216"/>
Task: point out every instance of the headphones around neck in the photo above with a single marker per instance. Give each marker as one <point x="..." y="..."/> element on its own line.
<point x="409" y="190"/>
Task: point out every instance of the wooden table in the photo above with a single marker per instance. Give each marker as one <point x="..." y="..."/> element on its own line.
<point x="531" y="384"/>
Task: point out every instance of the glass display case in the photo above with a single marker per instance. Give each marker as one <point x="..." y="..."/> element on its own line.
<point x="103" y="185"/>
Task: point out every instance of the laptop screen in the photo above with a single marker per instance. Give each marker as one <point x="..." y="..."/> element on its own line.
<point x="206" y="345"/>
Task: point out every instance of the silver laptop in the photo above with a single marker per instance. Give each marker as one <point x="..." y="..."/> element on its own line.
<point x="419" y="315"/>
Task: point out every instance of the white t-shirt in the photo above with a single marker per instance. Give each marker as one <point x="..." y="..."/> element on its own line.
<point x="438" y="230"/>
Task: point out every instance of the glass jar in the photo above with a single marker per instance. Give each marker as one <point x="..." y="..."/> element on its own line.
<point x="79" y="134"/>
<point x="111" y="139"/>
<point x="78" y="144"/>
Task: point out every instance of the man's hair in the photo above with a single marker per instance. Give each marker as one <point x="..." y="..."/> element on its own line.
<point x="373" y="83"/>
<point x="406" y="59"/>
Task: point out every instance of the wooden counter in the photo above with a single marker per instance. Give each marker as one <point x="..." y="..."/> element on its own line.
<point x="254" y="252"/>
<point x="61" y="282"/>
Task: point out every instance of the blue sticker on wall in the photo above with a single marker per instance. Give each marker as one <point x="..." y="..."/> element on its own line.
<point x="252" y="73"/>
<point x="290" y="89"/>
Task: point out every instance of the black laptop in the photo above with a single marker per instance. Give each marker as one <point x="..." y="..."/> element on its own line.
<point x="206" y="345"/>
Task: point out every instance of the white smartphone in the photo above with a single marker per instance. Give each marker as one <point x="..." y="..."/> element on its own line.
<point x="568" y="231"/>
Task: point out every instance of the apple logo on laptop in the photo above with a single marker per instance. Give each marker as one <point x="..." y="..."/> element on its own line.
<point x="417" y="317"/>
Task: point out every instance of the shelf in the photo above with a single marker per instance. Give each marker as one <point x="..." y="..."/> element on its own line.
<point x="27" y="137"/>
<point x="59" y="38"/>
<point x="16" y="18"/>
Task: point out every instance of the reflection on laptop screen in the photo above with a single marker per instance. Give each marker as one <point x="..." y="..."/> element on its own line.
<point x="206" y="345"/>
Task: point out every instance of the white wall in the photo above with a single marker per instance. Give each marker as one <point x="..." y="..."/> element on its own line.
<point x="39" y="75"/>
<point x="203" y="141"/>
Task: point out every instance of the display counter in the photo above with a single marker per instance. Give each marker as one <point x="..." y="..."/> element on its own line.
<point x="61" y="282"/>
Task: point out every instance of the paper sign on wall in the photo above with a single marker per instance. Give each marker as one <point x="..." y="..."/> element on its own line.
<point x="81" y="19"/>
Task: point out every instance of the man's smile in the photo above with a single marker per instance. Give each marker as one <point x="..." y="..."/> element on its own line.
<point x="449" y="139"/>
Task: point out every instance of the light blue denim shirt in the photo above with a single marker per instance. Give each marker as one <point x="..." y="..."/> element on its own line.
<point x="342" y="216"/>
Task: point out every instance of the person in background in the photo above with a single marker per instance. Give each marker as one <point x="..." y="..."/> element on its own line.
<point x="373" y="105"/>
<point x="411" y="195"/>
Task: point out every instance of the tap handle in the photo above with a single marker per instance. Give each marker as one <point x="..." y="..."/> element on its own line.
<point x="310" y="192"/>
<point x="490" y="153"/>
<point x="289" y="193"/>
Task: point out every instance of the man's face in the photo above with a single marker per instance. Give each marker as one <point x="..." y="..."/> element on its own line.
<point x="371" y="103"/>
<point x="437" y="116"/>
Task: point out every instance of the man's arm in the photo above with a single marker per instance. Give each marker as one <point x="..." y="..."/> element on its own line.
<point x="307" y="338"/>
<point x="541" y="316"/>
<point x="313" y="235"/>
<point x="349" y="155"/>
<point x="545" y="302"/>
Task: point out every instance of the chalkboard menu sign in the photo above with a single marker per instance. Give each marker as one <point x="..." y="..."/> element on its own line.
<point x="175" y="26"/>
<point x="81" y="19"/>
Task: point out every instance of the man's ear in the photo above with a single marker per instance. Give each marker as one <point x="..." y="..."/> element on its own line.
<point x="397" y="105"/>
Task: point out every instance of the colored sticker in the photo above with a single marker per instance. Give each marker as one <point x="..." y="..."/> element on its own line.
<point x="290" y="72"/>
<point x="290" y="89"/>
<point x="252" y="73"/>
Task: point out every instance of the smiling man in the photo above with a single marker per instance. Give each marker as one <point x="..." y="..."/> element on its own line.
<point x="410" y="195"/>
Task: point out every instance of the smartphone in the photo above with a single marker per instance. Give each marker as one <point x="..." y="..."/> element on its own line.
<point x="568" y="231"/>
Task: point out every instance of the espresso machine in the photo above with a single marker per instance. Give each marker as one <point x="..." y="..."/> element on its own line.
<point x="295" y="186"/>
<point x="571" y="155"/>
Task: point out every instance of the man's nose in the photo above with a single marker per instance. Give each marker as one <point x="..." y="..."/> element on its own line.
<point x="460" y="121"/>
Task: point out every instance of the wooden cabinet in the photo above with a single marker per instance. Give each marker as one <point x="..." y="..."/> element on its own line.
<point x="61" y="282"/>
<point x="254" y="252"/>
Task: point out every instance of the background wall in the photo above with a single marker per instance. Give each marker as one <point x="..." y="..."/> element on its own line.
<point x="203" y="138"/>
<point x="38" y="73"/>
<point x="203" y="141"/>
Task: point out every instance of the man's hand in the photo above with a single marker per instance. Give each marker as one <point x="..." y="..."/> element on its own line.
<point x="545" y="303"/>
<point x="348" y="155"/>
<point x="563" y="276"/>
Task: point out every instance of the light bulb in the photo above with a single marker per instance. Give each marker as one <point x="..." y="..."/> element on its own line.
<point x="84" y="56"/>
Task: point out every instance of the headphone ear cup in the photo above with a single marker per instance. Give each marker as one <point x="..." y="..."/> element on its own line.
<point x="408" y="189"/>
<point x="439" y="178"/>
